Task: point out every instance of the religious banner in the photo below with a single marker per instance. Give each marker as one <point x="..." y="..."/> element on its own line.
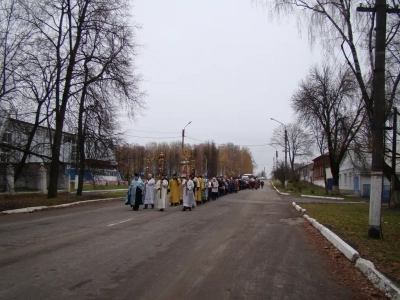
<point x="185" y="164"/>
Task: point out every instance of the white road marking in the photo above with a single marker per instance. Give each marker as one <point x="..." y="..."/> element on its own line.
<point x="119" y="222"/>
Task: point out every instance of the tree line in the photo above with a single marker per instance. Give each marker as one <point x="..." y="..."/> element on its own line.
<point x="206" y="159"/>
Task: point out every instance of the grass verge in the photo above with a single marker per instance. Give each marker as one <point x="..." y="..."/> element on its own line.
<point x="350" y="222"/>
<point x="8" y="202"/>
<point x="305" y="188"/>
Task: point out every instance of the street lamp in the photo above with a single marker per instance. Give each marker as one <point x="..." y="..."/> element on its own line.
<point x="183" y="133"/>
<point x="286" y="140"/>
<point x="206" y="166"/>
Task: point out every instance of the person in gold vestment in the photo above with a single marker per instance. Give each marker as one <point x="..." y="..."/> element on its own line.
<point x="174" y="186"/>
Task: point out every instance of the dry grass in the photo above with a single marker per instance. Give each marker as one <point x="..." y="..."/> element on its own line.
<point x="350" y="222"/>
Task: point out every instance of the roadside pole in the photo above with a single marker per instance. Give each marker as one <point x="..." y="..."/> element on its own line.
<point x="378" y="117"/>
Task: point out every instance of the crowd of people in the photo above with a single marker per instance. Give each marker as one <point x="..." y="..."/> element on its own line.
<point x="188" y="192"/>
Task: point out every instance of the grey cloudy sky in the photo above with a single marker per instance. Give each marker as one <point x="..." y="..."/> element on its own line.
<point x="220" y="64"/>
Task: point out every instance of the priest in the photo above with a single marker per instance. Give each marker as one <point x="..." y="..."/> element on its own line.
<point x="149" y="191"/>
<point x="173" y="187"/>
<point x="134" y="196"/>
<point x="161" y="188"/>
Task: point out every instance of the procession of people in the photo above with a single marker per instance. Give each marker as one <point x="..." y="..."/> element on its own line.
<point x="189" y="191"/>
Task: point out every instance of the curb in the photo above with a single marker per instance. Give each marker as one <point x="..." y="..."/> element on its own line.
<point x="378" y="279"/>
<point x="286" y="194"/>
<point x="365" y="266"/>
<point x="321" y="197"/>
<point x="39" y="208"/>
<point x="23" y="210"/>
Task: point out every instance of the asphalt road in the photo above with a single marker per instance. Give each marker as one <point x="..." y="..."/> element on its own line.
<point x="249" y="245"/>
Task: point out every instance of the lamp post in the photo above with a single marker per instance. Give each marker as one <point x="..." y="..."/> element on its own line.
<point x="286" y="140"/>
<point x="183" y="134"/>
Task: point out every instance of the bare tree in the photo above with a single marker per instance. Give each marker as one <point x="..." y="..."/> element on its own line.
<point x="16" y="79"/>
<point x="339" y="26"/>
<point x="13" y="36"/>
<point x="106" y="77"/>
<point x="299" y="142"/>
<point x="86" y="42"/>
<point x="331" y="100"/>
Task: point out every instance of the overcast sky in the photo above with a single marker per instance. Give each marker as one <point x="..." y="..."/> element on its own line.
<point x="220" y="64"/>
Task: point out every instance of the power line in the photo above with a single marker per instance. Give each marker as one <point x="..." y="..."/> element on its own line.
<point x="224" y="144"/>
<point x="171" y="132"/>
<point x="152" y="137"/>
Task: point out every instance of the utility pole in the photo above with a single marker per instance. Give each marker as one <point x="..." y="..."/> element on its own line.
<point x="286" y="141"/>
<point x="378" y="115"/>
<point x="394" y="154"/>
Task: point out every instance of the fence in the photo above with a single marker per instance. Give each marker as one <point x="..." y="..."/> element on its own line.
<point x="33" y="178"/>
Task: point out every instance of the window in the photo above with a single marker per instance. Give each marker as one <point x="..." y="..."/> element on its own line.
<point x="3" y="157"/>
<point x="7" y="137"/>
<point x="345" y="179"/>
<point x="73" y="153"/>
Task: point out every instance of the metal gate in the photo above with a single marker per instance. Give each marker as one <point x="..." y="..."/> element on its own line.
<point x="366" y="190"/>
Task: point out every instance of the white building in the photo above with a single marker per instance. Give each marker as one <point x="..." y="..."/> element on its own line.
<point x="355" y="176"/>
<point x="14" y="137"/>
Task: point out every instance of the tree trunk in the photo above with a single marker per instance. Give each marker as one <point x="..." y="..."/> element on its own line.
<point x="55" y="155"/>
<point x="396" y="199"/>
<point x="325" y="182"/>
<point x="27" y="147"/>
<point x="81" y="149"/>
<point x="60" y="114"/>
<point x="335" y="177"/>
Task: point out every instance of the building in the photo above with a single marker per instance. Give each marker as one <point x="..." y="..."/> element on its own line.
<point x="355" y="176"/>
<point x="15" y="135"/>
<point x="321" y="166"/>
<point x="305" y="172"/>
